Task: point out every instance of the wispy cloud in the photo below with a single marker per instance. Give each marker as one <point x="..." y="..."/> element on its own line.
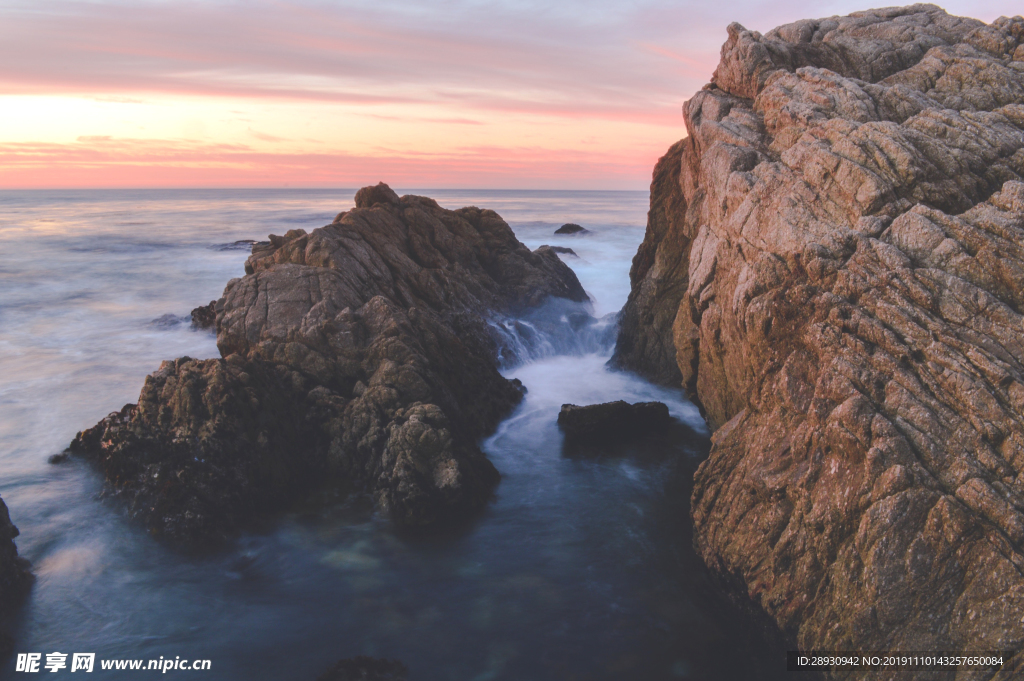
<point x="160" y="163"/>
<point x="585" y="91"/>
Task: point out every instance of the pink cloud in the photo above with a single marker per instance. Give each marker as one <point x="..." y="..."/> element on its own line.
<point x="158" y="163"/>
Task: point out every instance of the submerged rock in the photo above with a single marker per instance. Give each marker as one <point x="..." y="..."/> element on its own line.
<point x="834" y="269"/>
<point x="240" y="245"/>
<point x="363" y="668"/>
<point x="613" y="420"/>
<point x="560" y="249"/>
<point x="571" y="228"/>
<point x="356" y="356"/>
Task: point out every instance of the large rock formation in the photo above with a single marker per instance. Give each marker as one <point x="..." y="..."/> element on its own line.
<point x="834" y="270"/>
<point x="357" y="356"/>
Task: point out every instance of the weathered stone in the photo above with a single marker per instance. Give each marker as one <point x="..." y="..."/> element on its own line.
<point x="838" y="272"/>
<point x="358" y="355"/>
<point x="205" y="316"/>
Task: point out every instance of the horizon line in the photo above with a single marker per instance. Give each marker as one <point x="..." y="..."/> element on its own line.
<point x="257" y="188"/>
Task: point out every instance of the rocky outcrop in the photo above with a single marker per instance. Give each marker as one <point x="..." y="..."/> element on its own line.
<point x="358" y="356"/>
<point x="837" y="276"/>
<point x="205" y="316"/>
<point x="571" y="228"/>
<point x="618" y="420"/>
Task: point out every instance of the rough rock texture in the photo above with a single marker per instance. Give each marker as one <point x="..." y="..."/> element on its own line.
<point x="613" y="420"/>
<point x="358" y="355"/>
<point x="571" y="228"/>
<point x="205" y="316"/>
<point x="838" y="278"/>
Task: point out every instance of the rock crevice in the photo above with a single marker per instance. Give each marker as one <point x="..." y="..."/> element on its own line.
<point x="358" y="354"/>
<point x="833" y="270"/>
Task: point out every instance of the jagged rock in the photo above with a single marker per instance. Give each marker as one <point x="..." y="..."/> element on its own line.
<point x="205" y="316"/>
<point x="363" y="668"/>
<point x="613" y="420"/>
<point x="357" y="355"/>
<point x="838" y="275"/>
<point x="571" y="228"/>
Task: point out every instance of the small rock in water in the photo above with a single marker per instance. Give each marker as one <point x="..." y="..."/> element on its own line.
<point x="363" y="668"/>
<point x="563" y="249"/>
<point x="240" y="245"/>
<point x="205" y="316"/>
<point x="168" y="321"/>
<point x="571" y="228"/>
<point x="613" y="420"/>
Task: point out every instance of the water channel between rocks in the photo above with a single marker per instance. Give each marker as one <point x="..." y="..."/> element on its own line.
<point x="580" y="568"/>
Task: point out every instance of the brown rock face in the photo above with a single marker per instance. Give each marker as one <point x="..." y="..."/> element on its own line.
<point x="358" y="355"/>
<point x="838" y="275"/>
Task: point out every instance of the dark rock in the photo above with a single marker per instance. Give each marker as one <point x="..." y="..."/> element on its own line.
<point x="168" y="321"/>
<point x="15" y="578"/>
<point x="60" y="457"/>
<point x="357" y="356"/>
<point x="838" y="276"/>
<point x="613" y="420"/>
<point x="646" y="345"/>
<point x="560" y="249"/>
<point x="240" y="245"/>
<point x="363" y="668"/>
<point x="205" y="317"/>
<point x="571" y="228"/>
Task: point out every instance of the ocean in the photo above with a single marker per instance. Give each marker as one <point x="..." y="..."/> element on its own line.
<point x="578" y="569"/>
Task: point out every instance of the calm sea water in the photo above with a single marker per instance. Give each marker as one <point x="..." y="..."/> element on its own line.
<point x="579" y="569"/>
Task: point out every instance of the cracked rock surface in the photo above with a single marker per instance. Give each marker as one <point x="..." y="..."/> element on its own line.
<point x="357" y="356"/>
<point x="834" y="270"/>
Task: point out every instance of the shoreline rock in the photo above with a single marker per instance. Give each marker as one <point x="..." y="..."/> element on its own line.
<point x="833" y="265"/>
<point x="357" y="356"/>
<point x="561" y="249"/>
<point x="205" y="316"/>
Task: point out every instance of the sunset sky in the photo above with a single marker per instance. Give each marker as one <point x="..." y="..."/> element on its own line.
<point x="500" y="94"/>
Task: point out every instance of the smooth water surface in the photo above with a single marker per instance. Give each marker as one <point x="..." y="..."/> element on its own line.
<point x="579" y="569"/>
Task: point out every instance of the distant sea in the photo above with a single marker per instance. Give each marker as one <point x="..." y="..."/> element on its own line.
<point x="579" y="569"/>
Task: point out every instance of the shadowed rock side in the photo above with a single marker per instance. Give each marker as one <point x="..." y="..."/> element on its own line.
<point x="613" y="420"/>
<point x="839" y="273"/>
<point x="15" y="578"/>
<point x="357" y="355"/>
